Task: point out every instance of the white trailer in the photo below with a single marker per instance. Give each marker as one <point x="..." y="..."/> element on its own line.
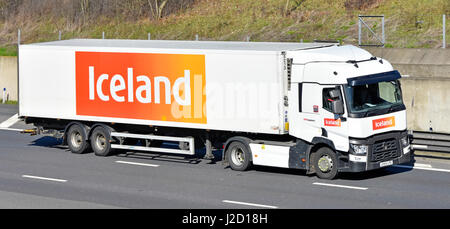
<point x="316" y="106"/>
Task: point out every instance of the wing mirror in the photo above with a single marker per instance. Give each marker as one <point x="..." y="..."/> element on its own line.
<point x="337" y="106"/>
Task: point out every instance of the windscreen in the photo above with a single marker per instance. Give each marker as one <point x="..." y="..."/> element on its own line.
<point x="366" y="99"/>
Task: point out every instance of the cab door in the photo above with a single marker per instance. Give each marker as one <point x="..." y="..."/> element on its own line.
<point x="334" y="126"/>
<point x="304" y="116"/>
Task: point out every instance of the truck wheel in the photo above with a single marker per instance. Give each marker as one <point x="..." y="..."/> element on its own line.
<point x="238" y="156"/>
<point x="100" y="141"/>
<point x="326" y="163"/>
<point x="77" y="139"/>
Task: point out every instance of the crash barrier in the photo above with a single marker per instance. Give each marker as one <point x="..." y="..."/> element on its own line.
<point x="429" y="141"/>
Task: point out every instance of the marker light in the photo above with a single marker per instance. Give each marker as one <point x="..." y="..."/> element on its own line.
<point x="404" y="141"/>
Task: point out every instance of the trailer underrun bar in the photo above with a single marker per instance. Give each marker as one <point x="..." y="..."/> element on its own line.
<point x="189" y="140"/>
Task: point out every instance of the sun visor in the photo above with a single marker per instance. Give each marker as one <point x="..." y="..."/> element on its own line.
<point x="375" y="78"/>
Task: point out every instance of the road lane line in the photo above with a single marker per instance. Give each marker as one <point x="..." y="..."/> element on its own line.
<point x="248" y="204"/>
<point x="9" y="122"/>
<point x="422" y="168"/>
<point x="11" y="129"/>
<point x="43" y="178"/>
<point x="340" y="186"/>
<point x="135" y="163"/>
<point x="423" y="165"/>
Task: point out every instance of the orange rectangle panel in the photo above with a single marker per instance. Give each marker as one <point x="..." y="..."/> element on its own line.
<point x="383" y="123"/>
<point x="149" y="86"/>
<point x="332" y="122"/>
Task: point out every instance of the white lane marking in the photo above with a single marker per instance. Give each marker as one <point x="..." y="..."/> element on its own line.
<point x="422" y="168"/>
<point x="43" y="178"/>
<point x="423" y="165"/>
<point x="248" y="204"/>
<point x="11" y="129"/>
<point x="340" y="186"/>
<point x="135" y="163"/>
<point x="9" y="122"/>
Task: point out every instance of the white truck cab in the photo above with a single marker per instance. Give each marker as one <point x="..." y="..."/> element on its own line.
<point x="346" y="100"/>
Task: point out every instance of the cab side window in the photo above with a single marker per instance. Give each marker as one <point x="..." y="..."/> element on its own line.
<point x="326" y="99"/>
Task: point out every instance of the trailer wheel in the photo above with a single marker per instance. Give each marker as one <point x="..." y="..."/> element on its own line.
<point x="77" y="139"/>
<point x="100" y="141"/>
<point x="238" y="156"/>
<point x="326" y="163"/>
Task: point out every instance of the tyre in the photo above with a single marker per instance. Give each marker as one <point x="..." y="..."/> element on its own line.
<point x="238" y="156"/>
<point x="77" y="139"/>
<point x="101" y="141"/>
<point x="326" y="163"/>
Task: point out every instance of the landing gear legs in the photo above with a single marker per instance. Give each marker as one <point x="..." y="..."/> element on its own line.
<point x="209" y="155"/>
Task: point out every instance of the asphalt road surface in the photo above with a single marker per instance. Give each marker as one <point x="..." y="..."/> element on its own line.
<point x="36" y="172"/>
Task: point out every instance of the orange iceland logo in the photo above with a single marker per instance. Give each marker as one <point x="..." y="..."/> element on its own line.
<point x="159" y="87"/>
<point x="383" y="123"/>
<point x="332" y="122"/>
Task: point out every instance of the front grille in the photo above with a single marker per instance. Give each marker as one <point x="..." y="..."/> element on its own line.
<point x="385" y="150"/>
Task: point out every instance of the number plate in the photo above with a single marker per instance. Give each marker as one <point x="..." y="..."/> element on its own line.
<point x="386" y="163"/>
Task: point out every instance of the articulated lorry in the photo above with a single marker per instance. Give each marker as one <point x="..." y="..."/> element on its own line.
<point x="320" y="107"/>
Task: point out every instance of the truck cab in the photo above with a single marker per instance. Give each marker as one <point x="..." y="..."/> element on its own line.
<point x="347" y="105"/>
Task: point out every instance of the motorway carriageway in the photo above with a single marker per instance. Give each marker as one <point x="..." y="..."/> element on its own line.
<point x="35" y="172"/>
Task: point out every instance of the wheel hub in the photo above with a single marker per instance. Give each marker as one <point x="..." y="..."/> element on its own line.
<point x="237" y="155"/>
<point x="100" y="142"/>
<point x="325" y="163"/>
<point x="76" y="139"/>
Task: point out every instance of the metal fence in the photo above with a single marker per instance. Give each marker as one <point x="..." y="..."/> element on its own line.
<point x="149" y="36"/>
<point x="362" y="24"/>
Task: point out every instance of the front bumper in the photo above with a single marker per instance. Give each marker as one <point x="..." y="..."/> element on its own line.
<point x="366" y="166"/>
<point x="403" y="154"/>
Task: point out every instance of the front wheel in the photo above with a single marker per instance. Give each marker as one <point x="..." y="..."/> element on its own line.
<point x="326" y="164"/>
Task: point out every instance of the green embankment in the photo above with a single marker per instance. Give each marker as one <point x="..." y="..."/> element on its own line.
<point x="409" y="23"/>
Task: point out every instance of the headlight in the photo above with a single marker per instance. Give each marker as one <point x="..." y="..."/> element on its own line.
<point x="404" y="141"/>
<point x="359" y="149"/>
